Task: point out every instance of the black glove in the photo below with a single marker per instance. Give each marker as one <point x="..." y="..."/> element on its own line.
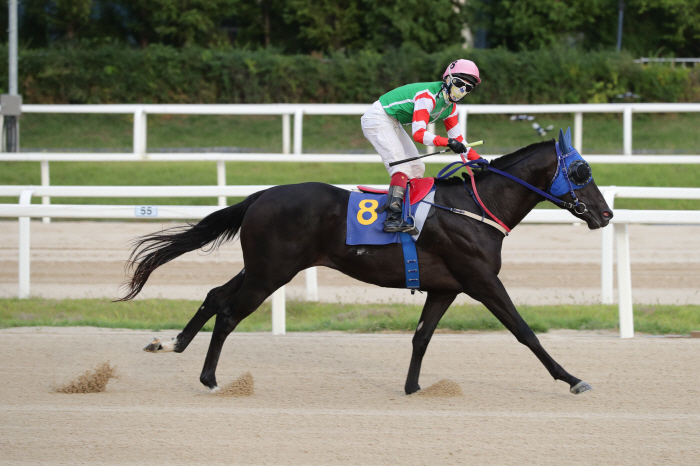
<point x="456" y="146"/>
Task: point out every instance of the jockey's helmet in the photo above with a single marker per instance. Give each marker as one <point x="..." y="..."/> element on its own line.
<point x="460" y="78"/>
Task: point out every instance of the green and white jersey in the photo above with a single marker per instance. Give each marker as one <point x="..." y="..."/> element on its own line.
<point x="419" y="104"/>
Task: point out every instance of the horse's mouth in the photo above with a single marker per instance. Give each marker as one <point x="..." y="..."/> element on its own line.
<point x="595" y="222"/>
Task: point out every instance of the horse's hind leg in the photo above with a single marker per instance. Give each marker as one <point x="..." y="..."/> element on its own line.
<point x="435" y="306"/>
<point x="212" y="303"/>
<point x="256" y="288"/>
<point x="241" y="305"/>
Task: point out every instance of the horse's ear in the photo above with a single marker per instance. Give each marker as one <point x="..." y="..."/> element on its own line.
<point x="562" y="142"/>
<point x="567" y="138"/>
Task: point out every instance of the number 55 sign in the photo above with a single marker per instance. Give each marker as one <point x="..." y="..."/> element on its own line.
<point x="146" y="211"/>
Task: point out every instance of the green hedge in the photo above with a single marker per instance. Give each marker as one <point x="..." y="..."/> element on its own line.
<point x="115" y="74"/>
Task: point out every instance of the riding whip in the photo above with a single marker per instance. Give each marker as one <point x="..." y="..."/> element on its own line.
<point x="399" y="162"/>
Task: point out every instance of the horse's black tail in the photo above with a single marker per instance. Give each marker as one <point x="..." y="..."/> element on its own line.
<point x="151" y="251"/>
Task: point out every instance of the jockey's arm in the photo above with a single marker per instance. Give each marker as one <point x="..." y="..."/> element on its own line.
<point x="423" y="105"/>
<point x="453" y="132"/>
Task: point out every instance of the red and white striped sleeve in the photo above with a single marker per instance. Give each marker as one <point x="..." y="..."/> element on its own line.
<point x="423" y="103"/>
<point x="452" y="125"/>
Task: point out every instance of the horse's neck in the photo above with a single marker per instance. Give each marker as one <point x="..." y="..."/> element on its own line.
<point x="510" y="201"/>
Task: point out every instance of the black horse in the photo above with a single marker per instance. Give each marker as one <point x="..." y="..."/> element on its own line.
<point x="289" y="228"/>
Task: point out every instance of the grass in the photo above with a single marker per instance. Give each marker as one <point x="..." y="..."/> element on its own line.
<point x="160" y="314"/>
<point x="602" y="134"/>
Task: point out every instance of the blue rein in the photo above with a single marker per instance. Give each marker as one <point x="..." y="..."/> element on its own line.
<point x="560" y="177"/>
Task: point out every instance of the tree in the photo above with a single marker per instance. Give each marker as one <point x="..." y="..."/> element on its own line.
<point x="179" y="22"/>
<point x="650" y="26"/>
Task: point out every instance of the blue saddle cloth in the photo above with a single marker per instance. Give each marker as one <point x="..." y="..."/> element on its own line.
<point x="365" y="225"/>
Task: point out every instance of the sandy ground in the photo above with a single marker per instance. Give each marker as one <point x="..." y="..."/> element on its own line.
<point x="542" y="264"/>
<point x="336" y="399"/>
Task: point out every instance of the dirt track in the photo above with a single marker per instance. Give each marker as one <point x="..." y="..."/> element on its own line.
<point x="541" y="265"/>
<point x="337" y="399"/>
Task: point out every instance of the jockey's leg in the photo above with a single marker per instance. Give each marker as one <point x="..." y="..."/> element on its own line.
<point x="392" y="143"/>
<point x="400" y="174"/>
<point x="394" y="219"/>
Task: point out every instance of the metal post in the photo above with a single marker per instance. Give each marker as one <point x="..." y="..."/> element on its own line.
<point x="140" y="133"/>
<point x="285" y="133"/>
<point x="298" y="129"/>
<point x="431" y="129"/>
<point x="578" y="131"/>
<point x="12" y="45"/>
<point x="607" y="237"/>
<point x="621" y="9"/>
<point x="624" y="281"/>
<point x="25" y="198"/>
<point x="279" y="313"/>
<point x="45" y="200"/>
<point x="627" y="130"/>
<point x="311" y="284"/>
<point x="221" y="179"/>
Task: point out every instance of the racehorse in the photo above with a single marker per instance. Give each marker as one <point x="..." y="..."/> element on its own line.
<point x="286" y="229"/>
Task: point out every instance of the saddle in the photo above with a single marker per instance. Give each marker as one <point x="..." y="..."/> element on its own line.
<point x="419" y="188"/>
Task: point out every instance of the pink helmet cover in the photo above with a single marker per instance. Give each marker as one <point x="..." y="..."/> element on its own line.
<point x="463" y="67"/>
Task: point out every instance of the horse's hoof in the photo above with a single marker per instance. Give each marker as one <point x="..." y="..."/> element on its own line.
<point x="580" y="387"/>
<point x="157" y="346"/>
<point x="154" y="346"/>
<point x="412" y="390"/>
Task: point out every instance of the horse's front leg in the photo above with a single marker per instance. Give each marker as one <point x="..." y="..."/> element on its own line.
<point x="435" y="306"/>
<point x="490" y="291"/>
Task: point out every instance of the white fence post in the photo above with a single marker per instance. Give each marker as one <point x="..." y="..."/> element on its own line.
<point x="24" y="247"/>
<point x="298" y="130"/>
<point x="140" y="132"/>
<point x="578" y="131"/>
<point x="627" y="130"/>
<point x="462" y="111"/>
<point x="624" y="281"/>
<point x="285" y="133"/>
<point x="311" y="284"/>
<point x="221" y="179"/>
<point x="431" y="129"/>
<point x="607" y="237"/>
<point x="279" y="313"/>
<point x="45" y="181"/>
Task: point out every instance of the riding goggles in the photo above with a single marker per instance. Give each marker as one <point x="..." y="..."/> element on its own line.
<point x="459" y="88"/>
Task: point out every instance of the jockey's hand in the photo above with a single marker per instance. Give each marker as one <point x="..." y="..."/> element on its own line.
<point x="472" y="155"/>
<point x="456" y="146"/>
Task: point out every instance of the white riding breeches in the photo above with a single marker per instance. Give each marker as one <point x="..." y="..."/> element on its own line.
<point x="391" y="142"/>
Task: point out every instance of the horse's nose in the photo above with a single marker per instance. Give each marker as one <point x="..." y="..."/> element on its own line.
<point x="607" y="214"/>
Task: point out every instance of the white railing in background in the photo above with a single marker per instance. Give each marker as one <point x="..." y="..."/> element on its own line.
<point x="286" y="111"/>
<point x="617" y="236"/>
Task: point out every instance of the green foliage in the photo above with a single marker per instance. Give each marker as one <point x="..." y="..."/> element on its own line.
<point x="649" y="26"/>
<point x="162" y="74"/>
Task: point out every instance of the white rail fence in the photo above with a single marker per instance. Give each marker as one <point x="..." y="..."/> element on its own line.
<point x="616" y="237"/>
<point x="286" y="111"/>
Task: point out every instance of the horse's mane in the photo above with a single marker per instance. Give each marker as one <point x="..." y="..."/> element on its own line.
<point x="514" y="157"/>
<point x="505" y="161"/>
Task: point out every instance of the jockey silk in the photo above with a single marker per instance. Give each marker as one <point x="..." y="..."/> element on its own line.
<point x="419" y="104"/>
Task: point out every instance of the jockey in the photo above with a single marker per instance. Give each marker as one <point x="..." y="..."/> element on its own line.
<point x="416" y="105"/>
